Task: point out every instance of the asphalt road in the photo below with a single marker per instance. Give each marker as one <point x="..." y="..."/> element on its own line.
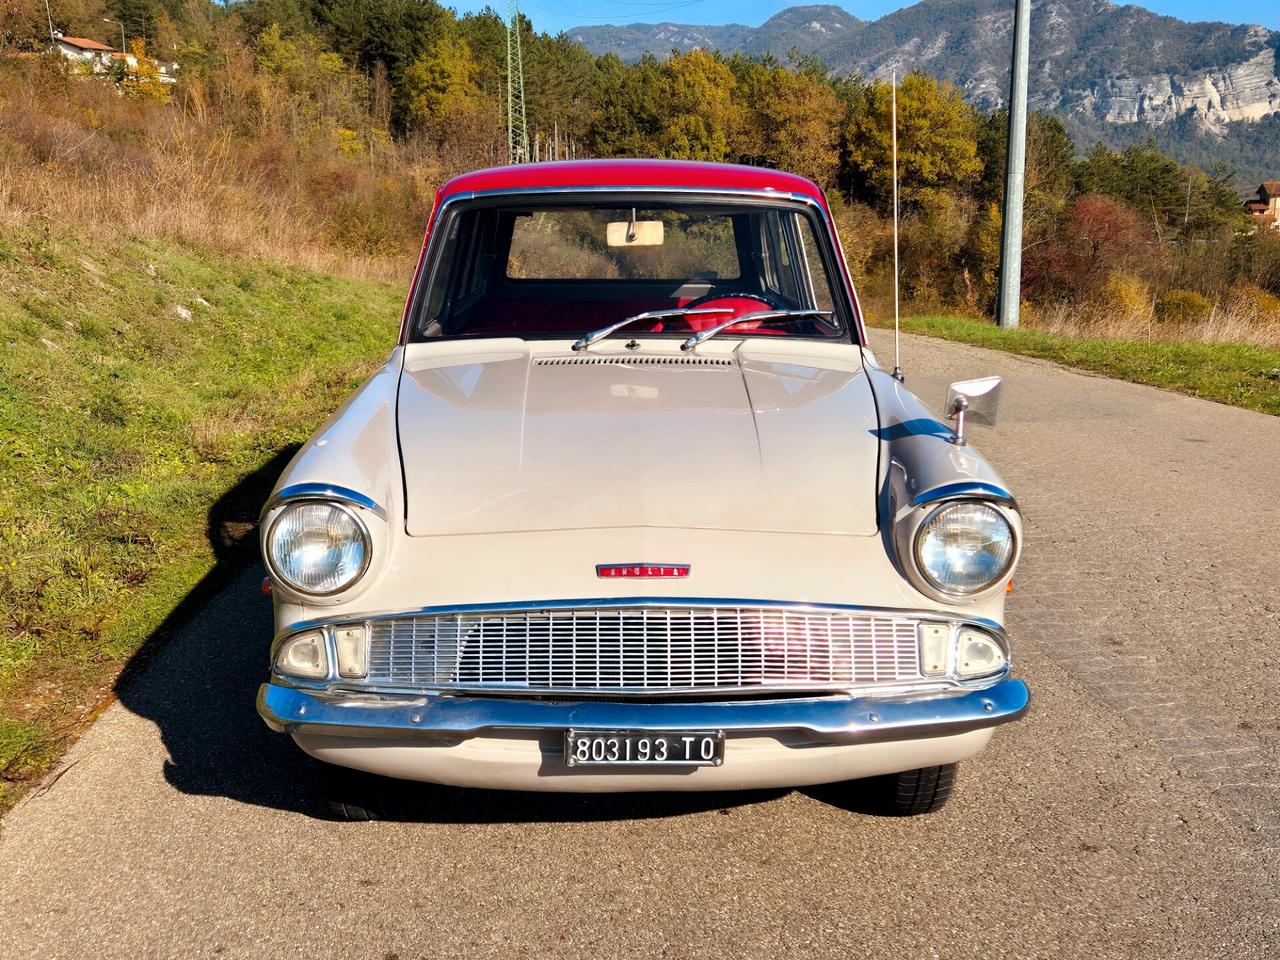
<point x="1134" y="814"/>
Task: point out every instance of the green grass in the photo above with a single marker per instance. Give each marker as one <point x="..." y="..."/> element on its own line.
<point x="139" y="383"/>
<point x="1238" y="374"/>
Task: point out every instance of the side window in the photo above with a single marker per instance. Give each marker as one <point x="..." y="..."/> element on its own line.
<point x="438" y="285"/>
<point x="815" y="273"/>
<point x="779" y="256"/>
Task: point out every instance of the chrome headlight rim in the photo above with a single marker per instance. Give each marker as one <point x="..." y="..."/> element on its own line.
<point x="941" y="591"/>
<point x="361" y="526"/>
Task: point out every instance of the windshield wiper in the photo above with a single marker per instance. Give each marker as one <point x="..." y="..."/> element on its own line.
<point x="786" y="316"/>
<point x="590" y="338"/>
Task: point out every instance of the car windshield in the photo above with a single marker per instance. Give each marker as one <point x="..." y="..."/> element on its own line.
<point x="556" y="268"/>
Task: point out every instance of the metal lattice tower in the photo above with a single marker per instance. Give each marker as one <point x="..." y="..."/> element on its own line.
<point x="517" y="127"/>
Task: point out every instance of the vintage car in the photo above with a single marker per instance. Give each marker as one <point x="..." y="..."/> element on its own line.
<point x="632" y="506"/>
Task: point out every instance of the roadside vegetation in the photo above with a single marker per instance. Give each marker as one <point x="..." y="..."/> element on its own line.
<point x="317" y="132"/>
<point x="1241" y="374"/>
<point x="139" y="381"/>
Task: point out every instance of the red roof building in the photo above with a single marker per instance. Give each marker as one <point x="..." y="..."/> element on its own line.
<point x="80" y="43"/>
<point x="1265" y="208"/>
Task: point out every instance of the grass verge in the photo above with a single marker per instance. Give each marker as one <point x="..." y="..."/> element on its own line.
<point x="138" y="383"/>
<point x="1238" y="374"/>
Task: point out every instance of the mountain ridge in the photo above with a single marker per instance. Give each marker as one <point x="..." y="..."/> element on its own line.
<point x="1103" y="65"/>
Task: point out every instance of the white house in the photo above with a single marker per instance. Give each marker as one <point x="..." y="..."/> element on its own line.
<point x="97" y="57"/>
<point x="94" y="55"/>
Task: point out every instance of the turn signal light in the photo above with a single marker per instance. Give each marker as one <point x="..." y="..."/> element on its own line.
<point x="304" y="655"/>
<point x="352" y="644"/>
<point x="935" y="638"/>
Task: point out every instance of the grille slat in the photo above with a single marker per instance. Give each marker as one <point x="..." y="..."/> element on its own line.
<point x="644" y="650"/>
<point x="631" y="360"/>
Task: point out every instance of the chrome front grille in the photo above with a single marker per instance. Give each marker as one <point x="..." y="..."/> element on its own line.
<point x="644" y="650"/>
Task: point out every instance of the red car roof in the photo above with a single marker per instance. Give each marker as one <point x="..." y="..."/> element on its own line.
<point x="685" y="174"/>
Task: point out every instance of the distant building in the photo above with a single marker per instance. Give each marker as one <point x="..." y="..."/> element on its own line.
<point x="97" y="57"/>
<point x="91" y="53"/>
<point x="1265" y="207"/>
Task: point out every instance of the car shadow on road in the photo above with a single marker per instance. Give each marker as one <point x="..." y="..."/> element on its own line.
<point x="197" y="676"/>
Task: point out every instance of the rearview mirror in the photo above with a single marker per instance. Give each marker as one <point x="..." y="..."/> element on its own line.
<point x="973" y="399"/>
<point x="634" y="233"/>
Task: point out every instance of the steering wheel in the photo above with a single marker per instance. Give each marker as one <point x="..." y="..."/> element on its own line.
<point x="739" y="303"/>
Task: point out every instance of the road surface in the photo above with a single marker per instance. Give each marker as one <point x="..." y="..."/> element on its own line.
<point x="1133" y="814"/>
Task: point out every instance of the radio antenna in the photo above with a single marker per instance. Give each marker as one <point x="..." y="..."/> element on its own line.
<point x="897" y="337"/>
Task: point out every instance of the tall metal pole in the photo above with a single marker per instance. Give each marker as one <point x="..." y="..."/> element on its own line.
<point x="517" y="125"/>
<point x="897" y="336"/>
<point x="1015" y="171"/>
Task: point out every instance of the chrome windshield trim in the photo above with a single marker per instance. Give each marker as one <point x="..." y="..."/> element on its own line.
<point x="632" y="602"/>
<point x="323" y="491"/>
<point x="840" y="280"/>
<point x="838" y="719"/>
<point x="973" y="489"/>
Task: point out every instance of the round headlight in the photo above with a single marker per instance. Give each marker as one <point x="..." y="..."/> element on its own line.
<point x="318" y="548"/>
<point x="964" y="548"/>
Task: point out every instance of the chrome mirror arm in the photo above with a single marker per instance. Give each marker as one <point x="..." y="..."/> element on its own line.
<point x="958" y="408"/>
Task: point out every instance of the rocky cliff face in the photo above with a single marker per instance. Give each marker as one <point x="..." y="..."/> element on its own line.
<point x="1239" y="91"/>
<point x="1091" y="58"/>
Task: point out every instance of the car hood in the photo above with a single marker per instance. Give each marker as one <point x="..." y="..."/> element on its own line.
<point x="505" y="435"/>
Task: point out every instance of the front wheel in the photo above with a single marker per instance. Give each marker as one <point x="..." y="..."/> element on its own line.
<point x="351" y="794"/>
<point x="912" y="792"/>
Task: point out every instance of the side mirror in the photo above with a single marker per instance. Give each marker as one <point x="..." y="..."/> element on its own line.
<point x="976" y="399"/>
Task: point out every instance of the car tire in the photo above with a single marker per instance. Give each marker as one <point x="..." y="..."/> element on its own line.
<point x="915" y="792"/>
<point x="351" y="795"/>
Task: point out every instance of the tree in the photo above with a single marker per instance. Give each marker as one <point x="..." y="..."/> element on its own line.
<point x="391" y="32"/>
<point x="790" y="119"/>
<point x="138" y="16"/>
<point x="624" y="122"/>
<point x="440" y="86"/>
<point x="937" y="142"/>
<point x="25" y="25"/>
<point x="140" y="80"/>
<point x="697" y="116"/>
<point x="1101" y="236"/>
<point x="1141" y="176"/>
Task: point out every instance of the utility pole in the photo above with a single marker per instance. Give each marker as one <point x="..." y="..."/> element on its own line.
<point x="1015" y="171"/>
<point x="517" y="127"/>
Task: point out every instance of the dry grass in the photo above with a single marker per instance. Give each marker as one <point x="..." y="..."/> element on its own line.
<point x="77" y="157"/>
<point x="1230" y="322"/>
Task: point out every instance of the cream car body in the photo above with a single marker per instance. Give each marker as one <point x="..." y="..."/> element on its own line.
<point x="766" y="486"/>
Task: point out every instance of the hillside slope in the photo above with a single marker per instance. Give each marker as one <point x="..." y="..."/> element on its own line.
<point x="140" y="385"/>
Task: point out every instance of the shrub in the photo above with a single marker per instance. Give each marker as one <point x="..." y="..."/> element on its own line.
<point x="1182" y="306"/>
<point x="1253" y="301"/>
<point x="1127" y="295"/>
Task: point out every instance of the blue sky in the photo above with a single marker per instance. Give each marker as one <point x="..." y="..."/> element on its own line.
<point x="557" y="15"/>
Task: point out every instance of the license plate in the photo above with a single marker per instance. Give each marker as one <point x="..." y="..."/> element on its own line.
<point x="611" y="748"/>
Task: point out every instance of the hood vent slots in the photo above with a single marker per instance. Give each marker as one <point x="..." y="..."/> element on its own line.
<point x="625" y="361"/>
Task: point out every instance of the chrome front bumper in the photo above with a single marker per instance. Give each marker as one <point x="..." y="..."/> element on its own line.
<point x="834" y="719"/>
